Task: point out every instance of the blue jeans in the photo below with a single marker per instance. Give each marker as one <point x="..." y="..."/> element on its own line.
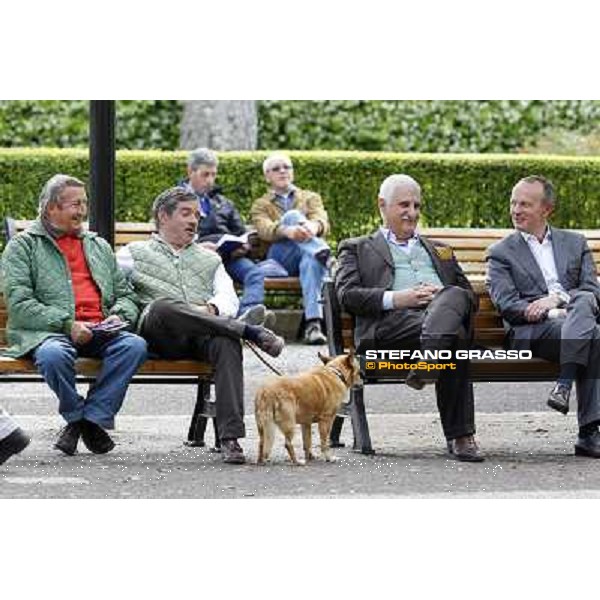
<point x="121" y="356"/>
<point x="311" y="246"/>
<point x="244" y="271"/>
<point x="298" y="258"/>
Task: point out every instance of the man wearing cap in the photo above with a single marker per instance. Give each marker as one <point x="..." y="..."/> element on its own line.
<point x="66" y="297"/>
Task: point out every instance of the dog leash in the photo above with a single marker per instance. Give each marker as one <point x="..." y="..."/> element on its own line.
<point x="262" y="358"/>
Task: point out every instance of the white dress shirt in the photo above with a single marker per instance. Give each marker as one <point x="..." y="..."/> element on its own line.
<point x="543" y="254"/>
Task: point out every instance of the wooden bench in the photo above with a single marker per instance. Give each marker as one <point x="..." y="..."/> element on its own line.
<point x="470" y="247"/>
<point x="126" y="232"/>
<point x="153" y="371"/>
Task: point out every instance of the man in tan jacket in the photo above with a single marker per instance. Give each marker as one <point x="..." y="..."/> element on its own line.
<point x="295" y="222"/>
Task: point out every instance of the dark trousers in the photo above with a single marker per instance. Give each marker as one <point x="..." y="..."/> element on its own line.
<point x="441" y="326"/>
<point x="175" y="329"/>
<point x="575" y="339"/>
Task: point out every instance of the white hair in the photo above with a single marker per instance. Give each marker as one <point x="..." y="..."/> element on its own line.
<point x="393" y="183"/>
<point x="273" y="159"/>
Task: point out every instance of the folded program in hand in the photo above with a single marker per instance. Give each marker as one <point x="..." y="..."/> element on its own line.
<point x="108" y="327"/>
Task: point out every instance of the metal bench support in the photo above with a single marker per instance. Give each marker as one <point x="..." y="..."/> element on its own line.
<point x="203" y="410"/>
<point x="360" y="425"/>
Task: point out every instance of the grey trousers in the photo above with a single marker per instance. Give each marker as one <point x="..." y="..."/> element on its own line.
<point x="176" y="329"/>
<point x="575" y="339"/>
<point x="441" y="326"/>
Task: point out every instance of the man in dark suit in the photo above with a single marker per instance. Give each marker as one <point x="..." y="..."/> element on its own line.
<point x="543" y="281"/>
<point x="409" y="292"/>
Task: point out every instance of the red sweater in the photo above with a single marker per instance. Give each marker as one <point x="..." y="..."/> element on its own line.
<point x="88" y="302"/>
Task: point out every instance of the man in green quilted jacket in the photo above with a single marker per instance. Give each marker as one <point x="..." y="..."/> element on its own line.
<point x="66" y="297"/>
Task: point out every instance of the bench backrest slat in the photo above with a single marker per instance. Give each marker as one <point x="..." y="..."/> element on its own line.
<point x="469" y="246"/>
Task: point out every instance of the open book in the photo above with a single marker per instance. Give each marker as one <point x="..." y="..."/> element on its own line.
<point x="228" y="243"/>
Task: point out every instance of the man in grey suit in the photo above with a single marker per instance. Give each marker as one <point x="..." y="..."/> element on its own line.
<point x="409" y="292"/>
<point x="543" y="281"/>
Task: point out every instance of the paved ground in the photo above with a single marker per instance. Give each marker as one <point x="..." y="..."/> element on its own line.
<point x="529" y="449"/>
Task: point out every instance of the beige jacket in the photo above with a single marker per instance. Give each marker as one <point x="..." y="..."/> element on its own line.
<point x="266" y="215"/>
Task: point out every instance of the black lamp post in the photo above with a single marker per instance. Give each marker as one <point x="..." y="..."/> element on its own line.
<point x="102" y="169"/>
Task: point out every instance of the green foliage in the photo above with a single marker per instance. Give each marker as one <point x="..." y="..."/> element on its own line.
<point x="373" y="125"/>
<point x="418" y="125"/>
<point x="146" y="124"/>
<point x="64" y="124"/>
<point x="566" y="142"/>
<point x="458" y="190"/>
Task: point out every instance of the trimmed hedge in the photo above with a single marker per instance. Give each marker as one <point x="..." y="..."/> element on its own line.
<point x="458" y="190"/>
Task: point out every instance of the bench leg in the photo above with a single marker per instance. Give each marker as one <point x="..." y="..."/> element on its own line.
<point x="336" y="429"/>
<point x="338" y="423"/>
<point x="202" y="412"/>
<point x="217" y="446"/>
<point x="197" y="428"/>
<point x="360" y="425"/>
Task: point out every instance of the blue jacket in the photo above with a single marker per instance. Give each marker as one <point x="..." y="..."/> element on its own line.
<point x="223" y="217"/>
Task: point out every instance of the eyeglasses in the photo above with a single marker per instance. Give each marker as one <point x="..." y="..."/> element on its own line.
<point x="279" y="168"/>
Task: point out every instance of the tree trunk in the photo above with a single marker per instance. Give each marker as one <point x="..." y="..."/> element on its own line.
<point x="219" y="124"/>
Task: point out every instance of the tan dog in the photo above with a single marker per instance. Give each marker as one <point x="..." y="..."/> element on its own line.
<point x="312" y="397"/>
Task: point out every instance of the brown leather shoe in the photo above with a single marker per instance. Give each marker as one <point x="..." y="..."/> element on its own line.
<point x="418" y="381"/>
<point x="269" y="342"/>
<point x="559" y="398"/>
<point x="232" y="452"/>
<point x="465" y="448"/>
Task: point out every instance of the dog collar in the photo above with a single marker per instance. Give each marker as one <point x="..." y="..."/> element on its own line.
<point x="338" y="373"/>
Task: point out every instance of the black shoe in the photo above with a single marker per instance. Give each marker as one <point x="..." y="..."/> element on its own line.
<point x="323" y="256"/>
<point x="13" y="443"/>
<point x="95" y="438"/>
<point x="68" y="438"/>
<point x="465" y="449"/>
<point x="559" y="398"/>
<point x="232" y="452"/>
<point x="417" y="381"/>
<point x="588" y="446"/>
<point x="269" y="342"/>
